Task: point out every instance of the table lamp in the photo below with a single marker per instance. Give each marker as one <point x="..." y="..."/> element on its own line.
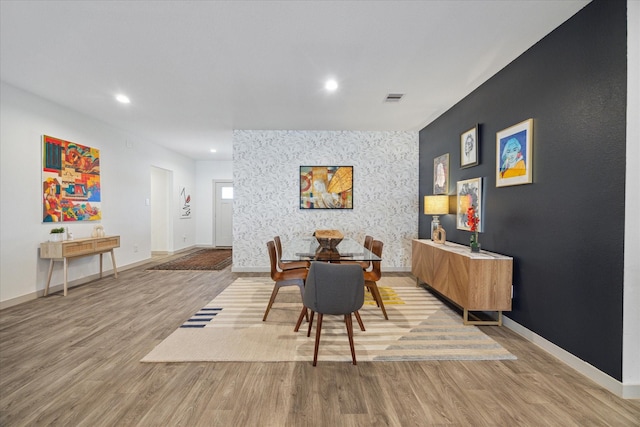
<point x="436" y="205"/>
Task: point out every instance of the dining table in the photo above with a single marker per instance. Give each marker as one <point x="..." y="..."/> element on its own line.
<point x="309" y="249"/>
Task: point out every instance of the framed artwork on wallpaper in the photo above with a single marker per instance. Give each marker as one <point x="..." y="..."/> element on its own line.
<point x="70" y="181"/>
<point x="441" y="174"/>
<point x="326" y="187"/>
<point x="514" y="155"/>
<point x="469" y="148"/>
<point x="469" y="193"/>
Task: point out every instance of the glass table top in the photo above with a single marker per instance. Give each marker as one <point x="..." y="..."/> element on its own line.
<point x="308" y="249"/>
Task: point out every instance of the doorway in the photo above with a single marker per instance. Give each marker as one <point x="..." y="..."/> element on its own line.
<point x="160" y="203"/>
<point x="223" y="213"/>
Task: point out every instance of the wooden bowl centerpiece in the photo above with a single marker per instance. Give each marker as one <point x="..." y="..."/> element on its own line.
<point x="329" y="239"/>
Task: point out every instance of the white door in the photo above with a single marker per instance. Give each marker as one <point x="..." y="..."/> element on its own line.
<point x="223" y="213"/>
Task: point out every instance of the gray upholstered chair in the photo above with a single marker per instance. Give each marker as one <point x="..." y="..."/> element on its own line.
<point x="334" y="289"/>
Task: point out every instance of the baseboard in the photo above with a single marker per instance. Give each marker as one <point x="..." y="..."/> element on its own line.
<point x="625" y="391"/>
<point x="250" y="269"/>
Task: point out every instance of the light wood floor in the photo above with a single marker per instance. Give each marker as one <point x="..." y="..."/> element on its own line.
<point x="74" y="361"/>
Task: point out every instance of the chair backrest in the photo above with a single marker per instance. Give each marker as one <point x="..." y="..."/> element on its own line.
<point x="376" y="248"/>
<point x="334" y="288"/>
<point x="278" y="243"/>
<point x="368" y="241"/>
<point x="271" y="247"/>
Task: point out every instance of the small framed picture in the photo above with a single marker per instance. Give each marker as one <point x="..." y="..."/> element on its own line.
<point x="441" y="174"/>
<point x="469" y="194"/>
<point x="514" y="155"/>
<point x="469" y="148"/>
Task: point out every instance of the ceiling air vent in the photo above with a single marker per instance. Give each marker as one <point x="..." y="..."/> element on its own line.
<point x="394" y="97"/>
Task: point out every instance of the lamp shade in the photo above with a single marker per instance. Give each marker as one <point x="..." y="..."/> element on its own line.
<point x="436" y="205"/>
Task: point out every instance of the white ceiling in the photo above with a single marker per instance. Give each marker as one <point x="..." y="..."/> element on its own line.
<point x="195" y="70"/>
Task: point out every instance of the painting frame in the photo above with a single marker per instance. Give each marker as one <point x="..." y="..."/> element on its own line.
<point x="468" y="193"/>
<point x="514" y="164"/>
<point x="326" y="187"/>
<point x="469" y="148"/>
<point x="184" y="197"/>
<point x="441" y="174"/>
<point x="71" y="187"/>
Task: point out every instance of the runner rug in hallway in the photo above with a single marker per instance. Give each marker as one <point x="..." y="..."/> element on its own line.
<point x="204" y="259"/>
<point x="230" y="328"/>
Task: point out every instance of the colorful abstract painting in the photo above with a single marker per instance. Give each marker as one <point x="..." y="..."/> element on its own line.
<point x="70" y="181"/>
<point x="326" y="187"/>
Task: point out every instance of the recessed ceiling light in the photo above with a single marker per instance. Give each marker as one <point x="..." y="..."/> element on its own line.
<point x="123" y="98"/>
<point x="331" y="85"/>
<point x="213" y="150"/>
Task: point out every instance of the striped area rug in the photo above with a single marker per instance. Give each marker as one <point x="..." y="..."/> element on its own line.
<point x="230" y="328"/>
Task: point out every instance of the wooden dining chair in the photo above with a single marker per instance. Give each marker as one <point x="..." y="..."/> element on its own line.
<point x="294" y="277"/>
<point x="373" y="275"/>
<point x="289" y="265"/>
<point x="366" y="265"/>
<point x="333" y="289"/>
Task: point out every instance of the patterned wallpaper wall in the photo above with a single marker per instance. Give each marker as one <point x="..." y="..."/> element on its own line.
<point x="266" y="167"/>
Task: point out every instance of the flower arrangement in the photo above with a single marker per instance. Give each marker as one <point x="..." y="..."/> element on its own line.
<point x="473" y="222"/>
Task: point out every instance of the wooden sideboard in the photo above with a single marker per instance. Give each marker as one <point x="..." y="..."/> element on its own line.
<point x="63" y="251"/>
<point x="474" y="281"/>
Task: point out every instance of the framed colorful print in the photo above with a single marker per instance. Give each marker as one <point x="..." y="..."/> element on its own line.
<point x="469" y="148"/>
<point x="326" y="187"/>
<point x="70" y="181"/>
<point x="514" y="155"/>
<point x="441" y="174"/>
<point x="469" y="194"/>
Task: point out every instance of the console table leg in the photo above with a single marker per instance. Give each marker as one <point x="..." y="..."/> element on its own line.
<point x="66" y="265"/>
<point x="101" y="266"/>
<point x="46" y="289"/>
<point x="113" y="261"/>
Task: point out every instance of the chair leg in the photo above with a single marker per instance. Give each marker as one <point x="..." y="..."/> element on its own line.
<point x="349" y="322"/>
<point x="310" y="324"/>
<point x="318" y="330"/>
<point x="359" y="319"/>
<point x="271" y="300"/>
<point x="376" y="295"/>
<point x="303" y="313"/>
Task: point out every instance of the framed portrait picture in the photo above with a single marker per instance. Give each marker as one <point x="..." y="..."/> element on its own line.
<point x="469" y="148"/>
<point x="326" y="187"/>
<point x="514" y="155"/>
<point x="469" y="193"/>
<point x="441" y="174"/>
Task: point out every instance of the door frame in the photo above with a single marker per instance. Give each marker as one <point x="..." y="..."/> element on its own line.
<point x="215" y="207"/>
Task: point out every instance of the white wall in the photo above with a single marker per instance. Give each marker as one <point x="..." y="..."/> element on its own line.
<point x="266" y="175"/>
<point x="206" y="172"/>
<point x="631" y="310"/>
<point x="125" y="162"/>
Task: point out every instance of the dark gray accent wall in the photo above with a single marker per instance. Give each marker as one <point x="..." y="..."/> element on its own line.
<point x="565" y="231"/>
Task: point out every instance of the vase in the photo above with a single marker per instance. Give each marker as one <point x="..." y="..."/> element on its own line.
<point x="473" y="243"/>
<point x="55" y="237"/>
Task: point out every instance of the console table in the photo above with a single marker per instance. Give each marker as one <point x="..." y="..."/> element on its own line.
<point x="474" y="281"/>
<point x="63" y="251"/>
